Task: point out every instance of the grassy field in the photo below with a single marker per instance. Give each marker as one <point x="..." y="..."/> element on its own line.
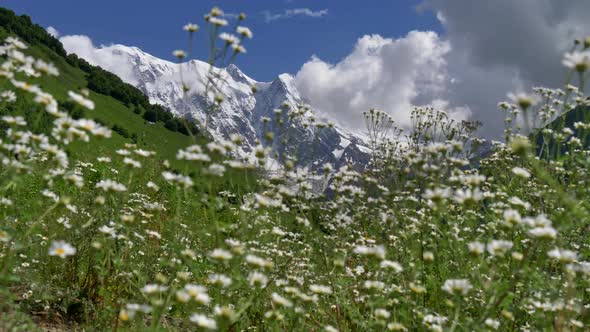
<point x="104" y="235"/>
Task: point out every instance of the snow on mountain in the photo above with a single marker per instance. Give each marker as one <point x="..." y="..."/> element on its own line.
<point x="243" y="111"/>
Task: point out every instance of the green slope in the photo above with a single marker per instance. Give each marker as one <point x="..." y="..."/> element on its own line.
<point x="114" y="113"/>
<point x="547" y="145"/>
<point x="108" y="110"/>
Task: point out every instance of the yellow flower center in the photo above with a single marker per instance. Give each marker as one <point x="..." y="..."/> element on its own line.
<point x="123" y="315"/>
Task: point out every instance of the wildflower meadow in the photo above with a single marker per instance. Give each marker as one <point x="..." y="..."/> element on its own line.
<point x="440" y="231"/>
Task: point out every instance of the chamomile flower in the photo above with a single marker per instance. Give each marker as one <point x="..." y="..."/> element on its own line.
<point x="204" y="321"/>
<point x="229" y="38"/>
<point x="579" y="61"/>
<point x="563" y="255"/>
<point x="4" y="236"/>
<point x="110" y="185"/>
<point x="179" y="54"/>
<point x="217" y="21"/>
<point x="280" y="300"/>
<point x="521" y="172"/>
<point x="257" y="279"/>
<point x="154" y="288"/>
<point x="544" y="232"/>
<point x="523" y="100"/>
<point x="244" y="32"/>
<point x="492" y="323"/>
<point x="190" y="27"/>
<point x="61" y="249"/>
<point x="320" y="289"/>
<point x="499" y="247"/>
<point x="238" y="48"/>
<point x="81" y="100"/>
<point x="457" y="286"/>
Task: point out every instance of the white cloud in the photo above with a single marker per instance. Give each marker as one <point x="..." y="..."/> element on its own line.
<point x="388" y="74"/>
<point x="288" y="13"/>
<point x="84" y="47"/>
<point x="53" y="32"/>
<point x="231" y="15"/>
<point x="505" y="45"/>
<point x="487" y="49"/>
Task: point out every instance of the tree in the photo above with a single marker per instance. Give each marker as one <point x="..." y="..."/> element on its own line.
<point x="171" y="124"/>
<point x="150" y="115"/>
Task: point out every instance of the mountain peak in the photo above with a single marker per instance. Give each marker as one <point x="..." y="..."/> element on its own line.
<point x="233" y="68"/>
<point x="123" y="49"/>
<point x="287" y="78"/>
<point x="243" y="111"/>
<point x="284" y="83"/>
<point x="238" y="75"/>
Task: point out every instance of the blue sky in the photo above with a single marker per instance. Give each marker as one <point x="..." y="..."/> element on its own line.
<point x="279" y="46"/>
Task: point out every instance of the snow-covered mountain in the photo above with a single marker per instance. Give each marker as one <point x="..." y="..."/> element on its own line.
<point x="244" y="111"/>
